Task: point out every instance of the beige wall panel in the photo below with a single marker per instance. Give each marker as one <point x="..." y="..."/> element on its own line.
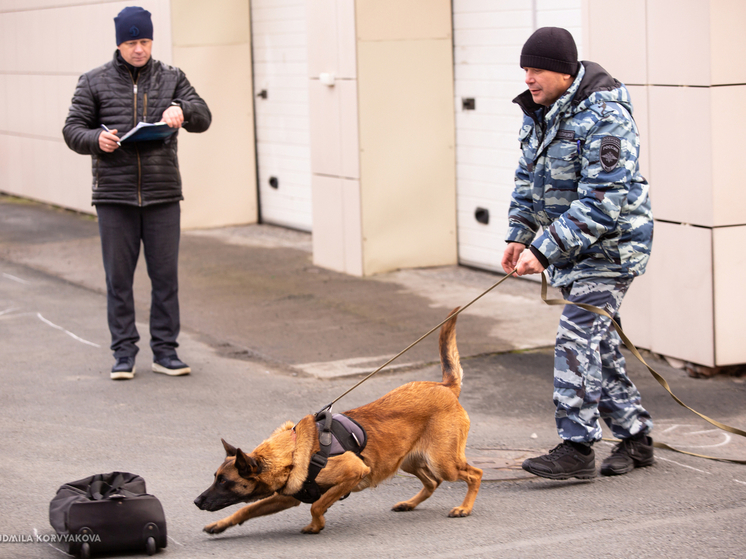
<point x="218" y="167"/>
<point x="8" y="43"/>
<point x="407" y="160"/>
<point x="331" y="38"/>
<point x="32" y="168"/>
<point x="334" y="129"/>
<point x="625" y="59"/>
<point x="728" y="32"/>
<point x="78" y="178"/>
<point x="328" y="222"/>
<point x="325" y="124"/>
<point x="35" y="105"/>
<point x="94" y="23"/>
<point x="636" y="310"/>
<point x="353" y="229"/>
<point x="730" y="305"/>
<point x="323" y="41"/>
<point x="680" y="134"/>
<point x="728" y="124"/>
<point x="678" y="42"/>
<point x="349" y="130"/>
<point x="682" y="300"/>
<point x="391" y="20"/>
<point x="347" y="39"/>
<point x="219" y="22"/>
<point x="336" y="224"/>
<point x="36" y="4"/>
<point x="640" y="104"/>
<point x="5" y="111"/>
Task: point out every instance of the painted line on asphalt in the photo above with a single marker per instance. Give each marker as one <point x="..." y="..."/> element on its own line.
<point x="14" y="278"/>
<point x="45" y="321"/>
<point x="682" y="465"/>
<point x="739" y="481"/>
<point x="6" y="311"/>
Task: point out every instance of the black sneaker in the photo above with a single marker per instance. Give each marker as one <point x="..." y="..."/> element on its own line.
<point x="123" y="369"/>
<point x="628" y="455"/>
<point x="563" y="462"/>
<point x="171" y="365"/>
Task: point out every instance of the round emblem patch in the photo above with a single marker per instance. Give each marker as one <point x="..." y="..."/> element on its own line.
<point x="134" y="32"/>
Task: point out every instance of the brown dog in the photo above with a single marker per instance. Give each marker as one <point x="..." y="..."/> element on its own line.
<point x="419" y="427"/>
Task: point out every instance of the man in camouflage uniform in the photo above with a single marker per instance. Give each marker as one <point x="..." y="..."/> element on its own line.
<point x="578" y="181"/>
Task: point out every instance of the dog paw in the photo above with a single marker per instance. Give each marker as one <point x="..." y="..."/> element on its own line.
<point x="311" y="529"/>
<point x="214" y="528"/>
<point x="459" y="512"/>
<point x="402" y="507"/>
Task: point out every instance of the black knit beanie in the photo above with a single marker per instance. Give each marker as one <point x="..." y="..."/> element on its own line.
<point x="551" y="48"/>
<point x="133" y="23"/>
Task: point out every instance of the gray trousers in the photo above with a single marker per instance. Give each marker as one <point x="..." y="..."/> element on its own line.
<point x="590" y="375"/>
<point x="122" y="229"/>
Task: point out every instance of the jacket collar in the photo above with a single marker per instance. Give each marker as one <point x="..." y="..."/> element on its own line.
<point x="128" y="70"/>
<point x="532" y="109"/>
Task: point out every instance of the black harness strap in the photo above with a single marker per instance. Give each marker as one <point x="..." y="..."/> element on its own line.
<point x="311" y="492"/>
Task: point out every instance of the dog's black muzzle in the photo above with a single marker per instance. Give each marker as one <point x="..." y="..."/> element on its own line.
<point x="209" y="501"/>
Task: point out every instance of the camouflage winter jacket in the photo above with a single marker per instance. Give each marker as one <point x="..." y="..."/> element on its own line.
<point x="578" y="179"/>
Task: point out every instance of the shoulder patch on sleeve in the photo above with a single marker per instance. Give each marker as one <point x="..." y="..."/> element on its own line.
<point x="611" y="149"/>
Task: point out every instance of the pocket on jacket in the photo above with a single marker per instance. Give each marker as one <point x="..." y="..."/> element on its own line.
<point x="564" y="165"/>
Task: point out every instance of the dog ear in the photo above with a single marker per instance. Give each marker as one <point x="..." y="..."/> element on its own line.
<point x="229" y="450"/>
<point x="246" y="465"/>
<point x="306" y="443"/>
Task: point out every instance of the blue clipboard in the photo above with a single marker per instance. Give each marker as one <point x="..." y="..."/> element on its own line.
<point x="145" y="131"/>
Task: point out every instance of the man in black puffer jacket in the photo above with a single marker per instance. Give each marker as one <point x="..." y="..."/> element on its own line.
<point x="137" y="185"/>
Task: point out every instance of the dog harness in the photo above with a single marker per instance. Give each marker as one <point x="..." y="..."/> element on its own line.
<point x="337" y="434"/>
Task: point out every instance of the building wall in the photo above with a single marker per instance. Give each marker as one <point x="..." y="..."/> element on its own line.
<point x="488" y="37"/>
<point x="48" y="44"/>
<point x="682" y="59"/>
<point x="281" y="100"/>
<point x="382" y="134"/>
<point x="39" y="69"/>
<point x="218" y="167"/>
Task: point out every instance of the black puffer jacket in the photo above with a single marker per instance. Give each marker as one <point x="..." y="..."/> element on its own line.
<point x="138" y="173"/>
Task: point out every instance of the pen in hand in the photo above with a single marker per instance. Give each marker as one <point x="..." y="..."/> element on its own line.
<point x="107" y="143"/>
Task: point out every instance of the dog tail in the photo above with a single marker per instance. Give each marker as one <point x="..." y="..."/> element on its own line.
<point x="453" y="374"/>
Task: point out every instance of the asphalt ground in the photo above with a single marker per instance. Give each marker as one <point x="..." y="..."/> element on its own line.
<point x="271" y="338"/>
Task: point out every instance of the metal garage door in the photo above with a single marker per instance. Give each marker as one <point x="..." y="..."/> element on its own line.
<point x="488" y="36"/>
<point x="282" y="113"/>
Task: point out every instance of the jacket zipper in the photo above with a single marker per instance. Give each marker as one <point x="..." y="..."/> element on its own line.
<point x="137" y="151"/>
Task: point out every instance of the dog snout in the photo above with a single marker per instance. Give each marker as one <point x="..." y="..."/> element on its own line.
<point x="200" y="502"/>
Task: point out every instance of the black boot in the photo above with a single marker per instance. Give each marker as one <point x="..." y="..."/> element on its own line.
<point x="563" y="462"/>
<point x="635" y="452"/>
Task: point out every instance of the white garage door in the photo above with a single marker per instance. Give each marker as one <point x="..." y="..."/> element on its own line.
<point x="488" y="36"/>
<point x="282" y="113"/>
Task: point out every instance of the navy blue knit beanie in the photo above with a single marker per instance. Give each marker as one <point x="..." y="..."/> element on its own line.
<point x="551" y="48"/>
<point x="132" y="24"/>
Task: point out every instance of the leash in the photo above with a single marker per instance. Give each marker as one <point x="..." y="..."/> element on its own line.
<point x="410" y="346"/>
<point x="662" y="381"/>
<point x="590" y="308"/>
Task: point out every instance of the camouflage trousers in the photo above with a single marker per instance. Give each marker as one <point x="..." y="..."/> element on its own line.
<point x="590" y="378"/>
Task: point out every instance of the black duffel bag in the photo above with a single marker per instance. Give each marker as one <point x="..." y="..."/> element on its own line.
<point x="106" y="513"/>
